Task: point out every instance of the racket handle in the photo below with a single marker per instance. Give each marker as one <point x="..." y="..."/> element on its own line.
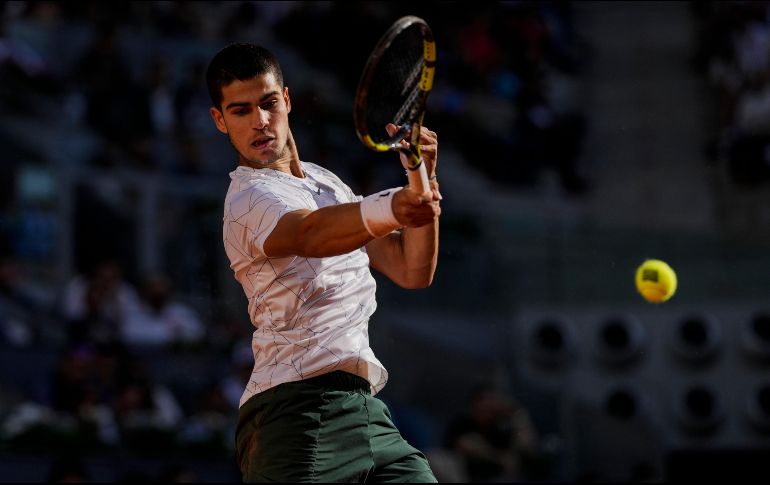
<point x="418" y="179"/>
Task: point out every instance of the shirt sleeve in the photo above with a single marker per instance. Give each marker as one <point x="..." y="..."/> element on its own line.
<point x="254" y="213"/>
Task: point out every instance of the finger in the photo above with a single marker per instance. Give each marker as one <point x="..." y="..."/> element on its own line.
<point x="429" y="136"/>
<point x="292" y="145"/>
<point x="429" y="154"/>
<point x="290" y="139"/>
<point x="432" y="198"/>
<point x="415" y="198"/>
<point x="392" y="129"/>
<point x="431" y="149"/>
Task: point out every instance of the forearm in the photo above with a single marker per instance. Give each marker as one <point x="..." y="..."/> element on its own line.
<point x="408" y="257"/>
<point x="329" y="231"/>
<point x="333" y="230"/>
<point x="419" y="246"/>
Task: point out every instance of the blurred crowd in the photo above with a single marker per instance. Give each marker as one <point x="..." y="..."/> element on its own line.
<point x="507" y="89"/>
<point x="734" y="56"/>
<point x="116" y="356"/>
<point x="108" y="366"/>
<point x="132" y="74"/>
<point x="112" y="356"/>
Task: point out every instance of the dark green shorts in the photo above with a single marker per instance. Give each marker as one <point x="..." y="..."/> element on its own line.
<point x="325" y="429"/>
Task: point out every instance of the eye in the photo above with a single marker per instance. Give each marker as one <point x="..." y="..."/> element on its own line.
<point x="270" y="104"/>
<point x="241" y="112"/>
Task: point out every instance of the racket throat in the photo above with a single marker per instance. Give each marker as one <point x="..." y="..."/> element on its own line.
<point x="403" y="131"/>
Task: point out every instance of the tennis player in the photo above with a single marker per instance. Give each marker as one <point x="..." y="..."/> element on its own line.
<point x="300" y="242"/>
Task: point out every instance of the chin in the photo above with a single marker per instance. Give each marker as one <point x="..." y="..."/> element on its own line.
<point x="261" y="161"/>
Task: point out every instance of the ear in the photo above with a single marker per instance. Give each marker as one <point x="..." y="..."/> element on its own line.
<point x="219" y="119"/>
<point x="287" y="99"/>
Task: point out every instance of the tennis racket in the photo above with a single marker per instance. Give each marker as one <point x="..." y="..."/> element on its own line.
<point x="394" y="88"/>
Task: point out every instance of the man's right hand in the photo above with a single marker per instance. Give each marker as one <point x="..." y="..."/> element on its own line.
<point x="416" y="210"/>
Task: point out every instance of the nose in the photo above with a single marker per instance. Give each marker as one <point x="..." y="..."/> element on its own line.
<point x="261" y="119"/>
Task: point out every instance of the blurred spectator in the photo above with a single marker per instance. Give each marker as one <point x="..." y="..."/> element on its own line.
<point x="210" y="427"/>
<point x="147" y="412"/>
<point x="160" y="84"/>
<point x="495" y="440"/>
<point x="233" y="384"/>
<point x="82" y="388"/>
<point x="190" y="97"/>
<point x="71" y="387"/>
<point x="192" y="121"/>
<point x="733" y="52"/>
<point x="95" y="306"/>
<point x="160" y="319"/>
<point x="158" y="92"/>
<point x="114" y="102"/>
<point x="23" y="312"/>
<point x="24" y="73"/>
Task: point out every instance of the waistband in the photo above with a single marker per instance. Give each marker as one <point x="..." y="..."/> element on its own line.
<point x="340" y="381"/>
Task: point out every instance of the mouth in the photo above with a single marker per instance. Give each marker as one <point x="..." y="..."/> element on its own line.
<point x="262" y="142"/>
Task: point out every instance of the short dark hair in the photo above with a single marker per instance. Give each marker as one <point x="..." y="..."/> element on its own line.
<point x="239" y="62"/>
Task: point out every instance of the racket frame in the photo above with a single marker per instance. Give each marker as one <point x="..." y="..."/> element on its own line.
<point x="416" y="172"/>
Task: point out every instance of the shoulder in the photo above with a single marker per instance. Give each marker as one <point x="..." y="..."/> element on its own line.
<point x="255" y="186"/>
<point x="330" y="178"/>
<point x="249" y="180"/>
<point x="257" y="196"/>
<point x="318" y="170"/>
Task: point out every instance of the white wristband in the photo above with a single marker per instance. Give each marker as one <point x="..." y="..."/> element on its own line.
<point x="377" y="213"/>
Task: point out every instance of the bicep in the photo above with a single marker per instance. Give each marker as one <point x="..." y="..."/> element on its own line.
<point x="282" y="240"/>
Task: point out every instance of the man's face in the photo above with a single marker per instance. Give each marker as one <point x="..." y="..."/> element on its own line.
<point x="255" y="116"/>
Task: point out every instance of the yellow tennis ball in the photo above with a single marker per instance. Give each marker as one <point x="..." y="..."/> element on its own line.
<point x="655" y="280"/>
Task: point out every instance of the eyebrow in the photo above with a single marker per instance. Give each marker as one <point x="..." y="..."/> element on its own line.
<point x="246" y="103"/>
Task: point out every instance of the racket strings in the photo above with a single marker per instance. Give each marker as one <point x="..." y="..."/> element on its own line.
<point x="412" y="79"/>
<point x="394" y="94"/>
<point x="405" y="112"/>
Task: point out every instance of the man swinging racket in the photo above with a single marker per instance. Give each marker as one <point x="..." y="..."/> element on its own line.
<point x="301" y="244"/>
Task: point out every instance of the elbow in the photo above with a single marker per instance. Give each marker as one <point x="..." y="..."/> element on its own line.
<point x="422" y="284"/>
<point x="417" y="283"/>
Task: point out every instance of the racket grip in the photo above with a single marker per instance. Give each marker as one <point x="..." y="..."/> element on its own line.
<point x="418" y="179"/>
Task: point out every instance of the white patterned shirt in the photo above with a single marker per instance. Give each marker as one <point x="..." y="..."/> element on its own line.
<point x="311" y="314"/>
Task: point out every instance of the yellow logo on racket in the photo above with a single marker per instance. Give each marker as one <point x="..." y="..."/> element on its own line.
<point x="429" y="50"/>
<point x="426" y="81"/>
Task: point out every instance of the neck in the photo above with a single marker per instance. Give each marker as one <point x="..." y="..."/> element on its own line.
<point x="288" y="164"/>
